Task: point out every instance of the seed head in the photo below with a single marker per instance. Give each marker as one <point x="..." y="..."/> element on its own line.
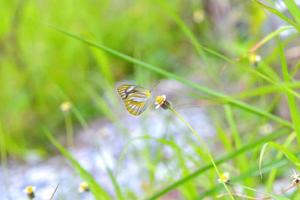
<point x="30" y="191"/>
<point x="161" y="101"/>
<point x="66" y="106"/>
<point x="224" y="178"/>
<point x="254" y="59"/>
<point x="83" y="187"/>
<point x="296" y="177"/>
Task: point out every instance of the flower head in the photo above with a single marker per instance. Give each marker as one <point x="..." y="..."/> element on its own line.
<point x="224" y="178"/>
<point x="65" y="106"/>
<point x="198" y="16"/>
<point x="296" y="177"/>
<point x="83" y="187"/>
<point x="266" y="128"/>
<point x="30" y="191"/>
<point x="254" y="59"/>
<point x="161" y="101"/>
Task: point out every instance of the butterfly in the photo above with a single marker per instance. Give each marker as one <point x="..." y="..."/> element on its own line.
<point x="136" y="99"/>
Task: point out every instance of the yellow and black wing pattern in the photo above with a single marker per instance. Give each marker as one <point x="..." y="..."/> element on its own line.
<point x="136" y="99"/>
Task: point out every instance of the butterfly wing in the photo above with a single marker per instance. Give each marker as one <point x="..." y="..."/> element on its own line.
<point x="135" y="98"/>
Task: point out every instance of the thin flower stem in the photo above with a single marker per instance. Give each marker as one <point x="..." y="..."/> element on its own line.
<point x="182" y="119"/>
<point x="53" y="193"/>
<point x="69" y="130"/>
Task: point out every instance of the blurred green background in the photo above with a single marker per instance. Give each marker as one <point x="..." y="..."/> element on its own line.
<point x="241" y="56"/>
<point x="41" y="68"/>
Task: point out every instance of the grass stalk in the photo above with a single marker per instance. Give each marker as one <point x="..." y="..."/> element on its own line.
<point x="199" y="88"/>
<point x="69" y="130"/>
<point x="293" y="106"/>
<point x="202" y="143"/>
<point x="98" y="192"/>
<point x="222" y="159"/>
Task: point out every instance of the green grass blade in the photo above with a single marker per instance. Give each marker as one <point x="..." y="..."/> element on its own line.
<point x="279" y="14"/>
<point x="98" y="192"/>
<point x="223" y="159"/>
<point x="267" y="89"/>
<point x="261" y="155"/>
<point x="118" y="190"/>
<point x="272" y="174"/>
<point x="185" y="29"/>
<point x="278" y="84"/>
<point x="191" y="84"/>
<point x="232" y="125"/>
<point x="294" y="9"/>
<point x="250" y="173"/>
<point x="287" y="153"/>
<point x="269" y="37"/>
<point x="293" y="106"/>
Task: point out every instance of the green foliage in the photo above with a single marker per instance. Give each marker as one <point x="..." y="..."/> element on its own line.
<point x="44" y="63"/>
<point x="98" y="192"/>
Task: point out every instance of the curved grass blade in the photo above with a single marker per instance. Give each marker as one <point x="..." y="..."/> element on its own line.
<point x="269" y="37"/>
<point x="117" y="188"/>
<point x="98" y="192"/>
<point x="292" y="103"/>
<point x="191" y="84"/>
<point x="268" y="89"/>
<point x="219" y="161"/>
<point x="287" y="153"/>
<point x="199" y="48"/>
<point x="273" y="172"/>
<point x="250" y="173"/>
<point x="279" y="14"/>
<point x="294" y="9"/>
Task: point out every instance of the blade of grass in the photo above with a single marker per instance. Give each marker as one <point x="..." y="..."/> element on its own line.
<point x="276" y="83"/>
<point x="165" y="73"/>
<point x="287" y="153"/>
<point x="272" y="175"/>
<point x="203" y="146"/>
<point x="267" y="38"/>
<point x="219" y="161"/>
<point x="250" y="173"/>
<point x="117" y="188"/>
<point x="103" y="65"/>
<point x="293" y="106"/>
<point x="279" y="14"/>
<point x="224" y="139"/>
<point x="199" y="48"/>
<point x="98" y="192"/>
<point x="294" y="9"/>
<point x="267" y="89"/>
<point x="242" y="162"/>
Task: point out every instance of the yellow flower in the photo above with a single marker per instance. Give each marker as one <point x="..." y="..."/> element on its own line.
<point x="224" y="178"/>
<point x="30" y="191"/>
<point x="254" y="59"/>
<point x="198" y="16"/>
<point x="83" y="187"/>
<point x="65" y="106"/>
<point x="161" y="101"/>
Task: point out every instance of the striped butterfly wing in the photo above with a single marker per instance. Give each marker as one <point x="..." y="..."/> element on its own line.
<point x="135" y="98"/>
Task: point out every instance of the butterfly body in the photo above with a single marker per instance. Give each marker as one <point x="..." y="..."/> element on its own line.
<point x="136" y="99"/>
